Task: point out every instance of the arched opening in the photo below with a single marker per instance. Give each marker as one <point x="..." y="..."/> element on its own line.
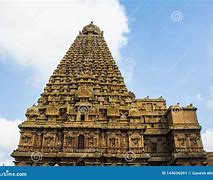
<point x="82" y="117"/>
<point x="81" y="141"/>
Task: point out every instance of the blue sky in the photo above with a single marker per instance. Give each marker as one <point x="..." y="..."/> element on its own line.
<point x="173" y="59"/>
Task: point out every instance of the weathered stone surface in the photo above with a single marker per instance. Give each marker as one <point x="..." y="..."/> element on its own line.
<point x="87" y="116"/>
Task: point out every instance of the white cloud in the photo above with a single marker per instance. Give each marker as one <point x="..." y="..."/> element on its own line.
<point x="209" y="102"/>
<point x="207" y="137"/>
<point x="37" y="34"/>
<point x="211" y="91"/>
<point x="9" y="137"/>
<point x="199" y="97"/>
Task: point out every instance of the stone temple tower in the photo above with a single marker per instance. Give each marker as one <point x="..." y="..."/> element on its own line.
<point x="87" y="116"/>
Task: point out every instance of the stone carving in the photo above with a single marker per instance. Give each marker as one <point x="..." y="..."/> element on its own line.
<point x="135" y="139"/>
<point x="134" y="112"/>
<point x="32" y="112"/>
<point x="113" y="111"/>
<point x="52" y="110"/>
<point x="124" y="116"/>
<point x="182" y="142"/>
<point x="69" y="140"/>
<point x="26" y="139"/>
<point x="87" y="111"/>
<point x="49" y="139"/>
<point x="84" y="93"/>
<point x="112" y="141"/>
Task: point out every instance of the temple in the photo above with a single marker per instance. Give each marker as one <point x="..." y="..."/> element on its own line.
<point x="87" y="117"/>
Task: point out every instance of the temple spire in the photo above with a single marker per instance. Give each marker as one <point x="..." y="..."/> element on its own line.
<point x="87" y="111"/>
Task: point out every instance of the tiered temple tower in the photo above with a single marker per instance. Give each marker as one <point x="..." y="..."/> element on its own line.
<point x="87" y="116"/>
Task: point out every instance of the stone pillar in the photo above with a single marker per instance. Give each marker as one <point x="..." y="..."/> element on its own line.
<point x="119" y="139"/>
<point x="103" y="140"/>
<point x="142" y="140"/>
<point x="33" y="143"/>
<point x="97" y="145"/>
<point x="75" y="135"/>
<point x="188" y="141"/>
<point x="87" y="145"/>
<point x="39" y="139"/>
<point x="107" y="139"/>
<point x="43" y="138"/>
<point x="129" y="139"/>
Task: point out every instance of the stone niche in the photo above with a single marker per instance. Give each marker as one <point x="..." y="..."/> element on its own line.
<point x="48" y="139"/>
<point x="113" y="111"/>
<point x="84" y="92"/>
<point x="136" y="140"/>
<point x="134" y="112"/>
<point x="52" y="111"/>
<point x="32" y="112"/>
<point x="26" y="139"/>
<point x="113" y="140"/>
